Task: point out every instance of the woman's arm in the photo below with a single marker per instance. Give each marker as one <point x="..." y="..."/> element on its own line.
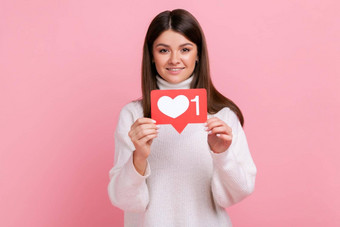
<point x="127" y="188"/>
<point x="234" y="170"/>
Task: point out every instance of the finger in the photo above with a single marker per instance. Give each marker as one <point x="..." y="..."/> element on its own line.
<point x="220" y="130"/>
<point x="219" y="123"/>
<point x="139" y="125"/>
<point x="147" y="126"/>
<point x="214" y="124"/>
<point x="140" y="128"/>
<point x="146" y="132"/>
<point x="212" y="120"/>
<point x="227" y="138"/>
<point x="142" y="133"/>
<point x="147" y="138"/>
<point x="143" y="120"/>
<point x="139" y="139"/>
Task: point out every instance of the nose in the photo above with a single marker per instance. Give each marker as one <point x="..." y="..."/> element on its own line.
<point x="174" y="58"/>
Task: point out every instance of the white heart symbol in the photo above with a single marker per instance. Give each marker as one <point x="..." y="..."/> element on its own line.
<point x="173" y="107"/>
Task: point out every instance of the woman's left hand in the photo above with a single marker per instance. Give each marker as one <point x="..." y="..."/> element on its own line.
<point x="220" y="135"/>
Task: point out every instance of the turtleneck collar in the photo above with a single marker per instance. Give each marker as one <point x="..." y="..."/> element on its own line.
<point x="165" y="85"/>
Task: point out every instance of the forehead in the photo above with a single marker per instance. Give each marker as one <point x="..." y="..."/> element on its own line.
<point x="171" y="38"/>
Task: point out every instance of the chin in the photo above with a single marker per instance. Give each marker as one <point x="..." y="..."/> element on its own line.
<point x="176" y="80"/>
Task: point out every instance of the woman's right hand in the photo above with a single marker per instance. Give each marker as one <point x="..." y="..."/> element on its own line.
<point x="142" y="133"/>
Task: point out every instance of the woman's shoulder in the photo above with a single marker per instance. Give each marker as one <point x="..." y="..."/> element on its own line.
<point x="228" y="115"/>
<point x="224" y="111"/>
<point x="129" y="113"/>
<point x="133" y="107"/>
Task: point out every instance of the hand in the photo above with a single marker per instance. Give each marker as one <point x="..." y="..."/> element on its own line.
<point x="220" y="135"/>
<point x="142" y="133"/>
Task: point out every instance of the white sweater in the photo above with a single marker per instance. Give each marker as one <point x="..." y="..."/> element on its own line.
<point x="185" y="183"/>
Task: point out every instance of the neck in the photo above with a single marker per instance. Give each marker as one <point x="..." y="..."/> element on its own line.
<point x="165" y="85"/>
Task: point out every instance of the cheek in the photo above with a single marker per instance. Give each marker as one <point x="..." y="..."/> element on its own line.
<point x="160" y="65"/>
<point x="189" y="60"/>
<point x="160" y="60"/>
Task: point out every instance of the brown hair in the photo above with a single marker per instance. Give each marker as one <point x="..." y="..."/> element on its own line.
<point x="183" y="22"/>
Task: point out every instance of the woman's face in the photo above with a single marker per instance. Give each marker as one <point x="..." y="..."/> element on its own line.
<point x="174" y="56"/>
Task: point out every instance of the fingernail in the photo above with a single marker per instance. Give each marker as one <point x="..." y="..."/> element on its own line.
<point x="153" y="121"/>
<point x="218" y="135"/>
<point x="209" y="132"/>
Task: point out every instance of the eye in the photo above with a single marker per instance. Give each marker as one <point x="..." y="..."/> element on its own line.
<point x="163" y="50"/>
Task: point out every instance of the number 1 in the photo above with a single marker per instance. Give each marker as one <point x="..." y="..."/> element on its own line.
<point x="196" y="99"/>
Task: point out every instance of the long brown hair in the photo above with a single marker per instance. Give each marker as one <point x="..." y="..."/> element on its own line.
<point x="183" y="22"/>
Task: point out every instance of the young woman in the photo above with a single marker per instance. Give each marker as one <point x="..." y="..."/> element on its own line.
<point x="163" y="178"/>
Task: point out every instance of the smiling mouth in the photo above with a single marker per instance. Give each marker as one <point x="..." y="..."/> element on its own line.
<point x="175" y="69"/>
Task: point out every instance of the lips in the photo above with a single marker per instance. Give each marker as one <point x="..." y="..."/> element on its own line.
<point x="175" y="69"/>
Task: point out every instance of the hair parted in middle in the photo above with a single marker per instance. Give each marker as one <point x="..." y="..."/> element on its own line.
<point x="183" y="22"/>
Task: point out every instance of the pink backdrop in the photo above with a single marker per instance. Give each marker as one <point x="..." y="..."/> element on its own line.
<point x="67" y="68"/>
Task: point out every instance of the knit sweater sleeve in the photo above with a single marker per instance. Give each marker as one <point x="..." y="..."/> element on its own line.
<point x="234" y="170"/>
<point x="127" y="189"/>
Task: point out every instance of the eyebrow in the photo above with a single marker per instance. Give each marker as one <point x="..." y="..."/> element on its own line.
<point x="162" y="44"/>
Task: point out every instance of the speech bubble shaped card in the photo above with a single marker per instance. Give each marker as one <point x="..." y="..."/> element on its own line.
<point x="179" y="107"/>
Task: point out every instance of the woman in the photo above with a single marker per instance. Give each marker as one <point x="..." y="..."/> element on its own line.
<point x="163" y="178"/>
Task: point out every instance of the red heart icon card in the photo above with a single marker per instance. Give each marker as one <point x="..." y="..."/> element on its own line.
<point x="179" y="107"/>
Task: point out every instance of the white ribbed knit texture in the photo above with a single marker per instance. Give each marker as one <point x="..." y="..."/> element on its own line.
<point x="185" y="184"/>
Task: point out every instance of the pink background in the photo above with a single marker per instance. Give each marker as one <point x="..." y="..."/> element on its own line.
<point x="68" y="67"/>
